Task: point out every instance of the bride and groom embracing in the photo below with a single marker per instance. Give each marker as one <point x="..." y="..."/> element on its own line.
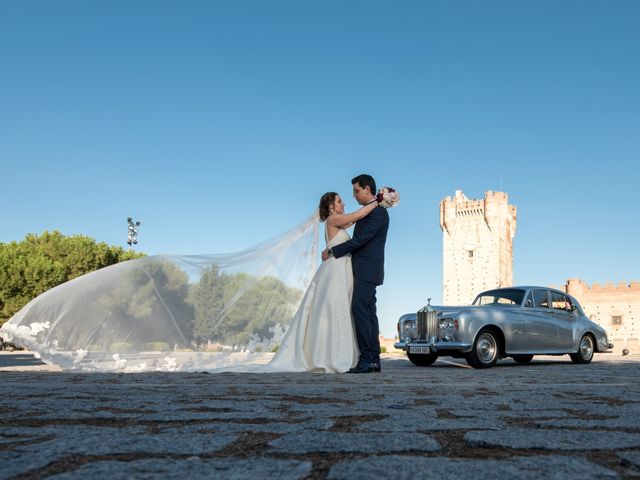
<point x="128" y="316"/>
<point x="336" y="327"/>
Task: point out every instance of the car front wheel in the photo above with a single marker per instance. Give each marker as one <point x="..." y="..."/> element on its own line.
<point x="486" y="349"/>
<point x="586" y="350"/>
<point x="422" y="360"/>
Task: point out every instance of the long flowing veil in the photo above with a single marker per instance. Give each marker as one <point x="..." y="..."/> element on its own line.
<point x="173" y="312"/>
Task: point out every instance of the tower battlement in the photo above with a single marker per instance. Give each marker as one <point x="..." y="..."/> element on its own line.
<point x="494" y="205"/>
<point x="578" y="285"/>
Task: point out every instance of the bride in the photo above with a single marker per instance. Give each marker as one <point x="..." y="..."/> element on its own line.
<point x="321" y="335"/>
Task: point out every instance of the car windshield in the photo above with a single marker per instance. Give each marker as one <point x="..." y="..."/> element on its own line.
<point x="504" y="296"/>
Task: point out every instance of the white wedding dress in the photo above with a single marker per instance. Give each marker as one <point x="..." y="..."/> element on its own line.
<point x="321" y="336"/>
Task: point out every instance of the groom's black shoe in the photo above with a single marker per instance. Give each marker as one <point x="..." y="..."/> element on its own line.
<point x="363" y="367"/>
<point x="376" y="366"/>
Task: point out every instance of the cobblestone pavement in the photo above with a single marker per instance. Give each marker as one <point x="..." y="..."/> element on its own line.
<point x="548" y="419"/>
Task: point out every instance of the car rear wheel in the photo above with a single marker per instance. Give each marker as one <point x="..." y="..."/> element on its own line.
<point x="422" y="360"/>
<point x="586" y="350"/>
<point x="486" y="349"/>
<point x="522" y="359"/>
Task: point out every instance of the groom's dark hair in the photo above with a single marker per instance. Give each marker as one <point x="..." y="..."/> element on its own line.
<point x="365" y="180"/>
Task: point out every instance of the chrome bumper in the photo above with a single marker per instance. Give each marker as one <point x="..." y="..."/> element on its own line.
<point x="603" y="345"/>
<point x="420" y="346"/>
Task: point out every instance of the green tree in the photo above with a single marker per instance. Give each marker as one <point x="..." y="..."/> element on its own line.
<point x="148" y="305"/>
<point x="229" y="308"/>
<point x="207" y="298"/>
<point x="40" y="262"/>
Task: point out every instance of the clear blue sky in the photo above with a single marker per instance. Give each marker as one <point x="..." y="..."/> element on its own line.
<point x="220" y="123"/>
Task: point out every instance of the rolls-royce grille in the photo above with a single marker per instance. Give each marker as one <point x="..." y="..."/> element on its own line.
<point x="427" y="324"/>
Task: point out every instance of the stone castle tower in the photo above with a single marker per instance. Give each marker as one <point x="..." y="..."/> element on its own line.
<point x="477" y="245"/>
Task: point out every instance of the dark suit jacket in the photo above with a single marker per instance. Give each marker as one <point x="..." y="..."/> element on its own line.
<point x="367" y="246"/>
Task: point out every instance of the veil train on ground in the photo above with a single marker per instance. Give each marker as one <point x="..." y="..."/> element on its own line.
<point x="173" y="312"/>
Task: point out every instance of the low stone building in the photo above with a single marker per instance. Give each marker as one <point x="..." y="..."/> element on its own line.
<point x="615" y="307"/>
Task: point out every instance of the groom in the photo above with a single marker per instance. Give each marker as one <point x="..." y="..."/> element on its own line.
<point x="367" y="260"/>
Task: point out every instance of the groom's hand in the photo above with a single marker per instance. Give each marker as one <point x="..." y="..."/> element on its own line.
<point x="325" y="255"/>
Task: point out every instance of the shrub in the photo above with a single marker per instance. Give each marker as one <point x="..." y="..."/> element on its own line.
<point x="121" y="347"/>
<point x="383" y="349"/>
<point x="213" y="348"/>
<point x="156" y="347"/>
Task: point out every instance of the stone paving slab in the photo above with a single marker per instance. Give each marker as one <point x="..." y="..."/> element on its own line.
<point x="106" y="440"/>
<point x="271" y="427"/>
<point x="522" y="468"/>
<point x="586" y="423"/>
<point x="353" y="442"/>
<point x="519" y="438"/>
<point x="52" y="444"/>
<point x="607" y="410"/>
<point x="631" y="460"/>
<point x="183" y="415"/>
<point x="549" y="419"/>
<point x="191" y="468"/>
<point x="415" y="424"/>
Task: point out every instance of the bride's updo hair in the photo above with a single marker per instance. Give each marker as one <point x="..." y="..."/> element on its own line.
<point x="325" y="202"/>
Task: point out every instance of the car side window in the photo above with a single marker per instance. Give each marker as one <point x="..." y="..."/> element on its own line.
<point x="540" y="298"/>
<point x="529" y="301"/>
<point x="560" y="302"/>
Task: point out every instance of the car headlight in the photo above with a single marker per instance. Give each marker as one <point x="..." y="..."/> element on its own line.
<point x="409" y="328"/>
<point x="448" y="323"/>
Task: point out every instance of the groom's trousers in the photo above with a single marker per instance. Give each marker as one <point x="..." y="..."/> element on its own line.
<point x="365" y="319"/>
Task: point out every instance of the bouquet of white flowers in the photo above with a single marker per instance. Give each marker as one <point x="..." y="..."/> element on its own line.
<point x="388" y="197"/>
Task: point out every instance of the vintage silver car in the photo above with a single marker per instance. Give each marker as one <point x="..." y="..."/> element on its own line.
<point x="516" y="322"/>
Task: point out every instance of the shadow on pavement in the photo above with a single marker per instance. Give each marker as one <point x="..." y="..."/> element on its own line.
<point x="19" y="360"/>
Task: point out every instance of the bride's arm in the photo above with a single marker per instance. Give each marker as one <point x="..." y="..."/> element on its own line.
<point x="346" y="219"/>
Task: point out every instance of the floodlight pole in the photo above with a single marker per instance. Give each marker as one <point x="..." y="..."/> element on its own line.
<point x="132" y="232"/>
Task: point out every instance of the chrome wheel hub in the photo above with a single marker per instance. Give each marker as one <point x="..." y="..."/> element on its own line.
<point x="486" y="348"/>
<point x="586" y="347"/>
